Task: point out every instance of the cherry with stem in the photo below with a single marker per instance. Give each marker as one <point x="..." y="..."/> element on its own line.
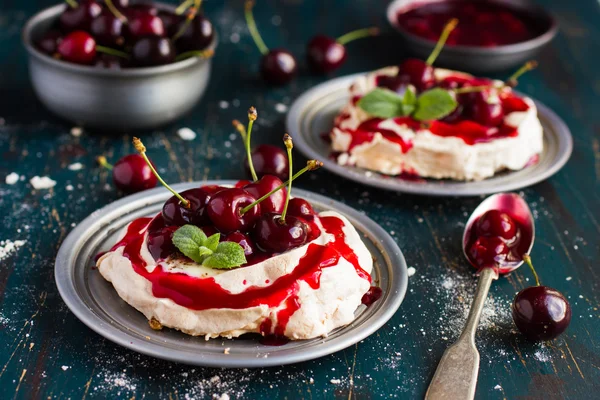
<point x="130" y="174"/>
<point x="252" y="116"/>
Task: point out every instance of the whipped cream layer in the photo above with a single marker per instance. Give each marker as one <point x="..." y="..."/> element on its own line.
<point x="397" y="146"/>
<point x="303" y="293"/>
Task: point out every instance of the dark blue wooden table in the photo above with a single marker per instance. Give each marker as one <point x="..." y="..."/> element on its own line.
<point x="47" y="353"/>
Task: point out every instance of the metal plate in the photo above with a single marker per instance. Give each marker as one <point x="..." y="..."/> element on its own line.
<point x="95" y="302"/>
<point x="312" y="114"/>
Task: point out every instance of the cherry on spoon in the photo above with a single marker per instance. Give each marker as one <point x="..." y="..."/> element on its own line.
<point x="456" y="374"/>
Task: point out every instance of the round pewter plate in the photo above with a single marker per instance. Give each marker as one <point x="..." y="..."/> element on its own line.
<point x="312" y="115"/>
<point x="95" y="302"/>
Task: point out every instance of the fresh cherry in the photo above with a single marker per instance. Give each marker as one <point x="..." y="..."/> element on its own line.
<point x="269" y="160"/>
<point x="141" y="8"/>
<point x="488" y="251"/>
<point x="170" y="21"/>
<point x="48" y="44"/>
<point x="198" y="34"/>
<point x="417" y="73"/>
<point x="131" y="173"/>
<point x="119" y="4"/>
<point x="174" y="212"/>
<point x="80" y="17"/>
<point x="160" y="242"/>
<point x="275" y="234"/>
<point x="152" y="51"/>
<point x="325" y="54"/>
<point x="78" y="47"/>
<point x="496" y="223"/>
<point x="213" y="189"/>
<point x="301" y="208"/>
<point x="225" y="210"/>
<point x="260" y="188"/>
<point x="107" y="29"/>
<point x="243" y="240"/>
<point x="540" y="312"/>
<point x="486" y="108"/>
<point x="144" y="24"/>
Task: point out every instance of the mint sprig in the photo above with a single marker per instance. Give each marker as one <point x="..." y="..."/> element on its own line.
<point x="207" y="250"/>
<point x="429" y="105"/>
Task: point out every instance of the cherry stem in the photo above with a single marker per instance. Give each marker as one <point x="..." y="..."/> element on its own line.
<point x="103" y="163"/>
<point x="240" y="128"/>
<point x="357" y="34"/>
<point x="112" y="52"/>
<point x="528" y="66"/>
<point x="311" y="165"/>
<point x="442" y="41"/>
<point x="262" y="47"/>
<point x="289" y="145"/>
<point x="527" y="260"/>
<point x="252" y="116"/>
<point x="139" y="146"/>
<point x="510" y="82"/>
<point x="183" y="7"/>
<point x="115" y="11"/>
<point x="193" y="11"/>
<point x="195" y="53"/>
<point x="72" y="3"/>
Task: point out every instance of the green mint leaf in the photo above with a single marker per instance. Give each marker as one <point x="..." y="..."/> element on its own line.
<point x="382" y="103"/>
<point x="204" y="252"/>
<point x="189" y="239"/>
<point x="410" y="97"/>
<point x="228" y="255"/>
<point x="212" y="242"/>
<point x="434" y="104"/>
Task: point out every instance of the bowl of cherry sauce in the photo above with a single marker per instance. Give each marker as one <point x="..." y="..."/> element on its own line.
<point x="132" y="65"/>
<point x="491" y="35"/>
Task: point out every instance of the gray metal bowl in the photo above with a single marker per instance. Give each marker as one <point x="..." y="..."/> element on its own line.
<point x="478" y="59"/>
<point x="133" y="98"/>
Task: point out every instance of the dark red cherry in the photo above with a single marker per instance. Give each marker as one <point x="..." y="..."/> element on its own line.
<point x="170" y="21"/>
<point x="269" y="160"/>
<point x="541" y="313"/>
<point x="175" y="213"/>
<point x="151" y="51"/>
<point x="488" y="252"/>
<point x="325" y="54"/>
<point x="243" y="240"/>
<point x="145" y="24"/>
<point x="274" y="235"/>
<point x="141" y="8"/>
<point x="119" y="4"/>
<point x="278" y="67"/>
<point x="198" y="35"/>
<point x="160" y="242"/>
<point x="107" y="30"/>
<point x="78" y="47"/>
<point x="397" y="84"/>
<point x="132" y="174"/>
<point x="48" y="44"/>
<point x="225" y="210"/>
<point x="80" y="17"/>
<point x="273" y="203"/>
<point x="417" y="73"/>
<point x="300" y="208"/>
<point x="212" y="189"/>
<point x="486" y="108"/>
<point x="496" y="223"/>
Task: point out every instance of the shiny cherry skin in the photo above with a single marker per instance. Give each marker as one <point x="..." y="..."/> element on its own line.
<point x="301" y="208"/>
<point x="496" y="223"/>
<point x="78" y="47"/>
<point x="278" y="67"/>
<point x="119" y="4"/>
<point x="486" y="109"/>
<point x="324" y="54"/>
<point x="141" y="8"/>
<point x="160" y="242"/>
<point x="272" y="234"/>
<point x="224" y="210"/>
<point x="243" y="240"/>
<point x="488" y="251"/>
<point x="151" y="51"/>
<point x="132" y="174"/>
<point x="175" y="213"/>
<point x="198" y="35"/>
<point x="396" y="84"/>
<point x="541" y="313"/>
<point x="273" y="203"/>
<point x="269" y="160"/>
<point x="144" y="24"/>
<point x="80" y="17"/>
<point x="212" y="189"/>
<point x="170" y="21"/>
<point x="48" y="44"/>
<point x="108" y="30"/>
<point x="417" y="73"/>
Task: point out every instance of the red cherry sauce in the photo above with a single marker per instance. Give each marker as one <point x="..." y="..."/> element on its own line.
<point x="206" y="293"/>
<point x="365" y="132"/>
<point x="482" y="23"/>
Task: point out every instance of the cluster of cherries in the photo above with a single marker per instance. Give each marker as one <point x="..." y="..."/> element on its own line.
<point x="323" y="53"/>
<point x="260" y="215"/>
<point x="114" y="34"/>
<point x="540" y="312"/>
<point x="479" y="100"/>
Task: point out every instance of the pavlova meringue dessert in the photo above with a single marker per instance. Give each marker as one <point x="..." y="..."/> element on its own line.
<point x="225" y="261"/>
<point x="435" y="123"/>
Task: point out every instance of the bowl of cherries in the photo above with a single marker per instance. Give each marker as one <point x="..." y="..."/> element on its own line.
<point x="112" y="64"/>
<point x="492" y="35"/>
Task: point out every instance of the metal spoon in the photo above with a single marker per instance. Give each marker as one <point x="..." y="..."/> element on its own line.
<point x="456" y="375"/>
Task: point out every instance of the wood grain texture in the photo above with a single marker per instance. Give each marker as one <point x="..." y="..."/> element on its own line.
<point x="48" y="353"/>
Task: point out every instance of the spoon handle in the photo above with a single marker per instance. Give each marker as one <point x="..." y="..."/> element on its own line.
<point x="456" y="375"/>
